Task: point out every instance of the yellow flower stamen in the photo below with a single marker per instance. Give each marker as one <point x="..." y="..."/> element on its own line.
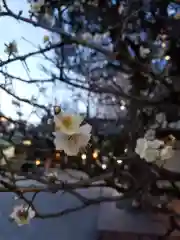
<point x="23" y="216"/>
<point x="67" y="121"/>
<point x="46" y="38"/>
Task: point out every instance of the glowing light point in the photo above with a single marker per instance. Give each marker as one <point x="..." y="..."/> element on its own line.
<point x="83" y="156"/>
<point x="38" y="162"/>
<point x="167" y="58"/>
<point x="104" y="166"/>
<point x="122" y="107"/>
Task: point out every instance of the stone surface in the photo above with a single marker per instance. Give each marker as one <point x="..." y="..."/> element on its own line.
<point x="79" y="225"/>
<point x="113" y="219"/>
<point x="105" y="235"/>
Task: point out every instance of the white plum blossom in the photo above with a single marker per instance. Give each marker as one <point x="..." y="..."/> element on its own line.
<point x="175" y="125"/>
<point x="36" y="5"/>
<point x="86" y="36"/>
<point x="155" y="144"/>
<point x="51" y="175"/>
<point x="166" y="153"/>
<point x="70" y="135"/>
<point x="8" y="153"/>
<point x="161" y="120"/>
<point x="99" y="38"/>
<point x="160" y="117"/>
<point x="49" y="19"/>
<point x="106" y="34"/>
<point x="121" y="8"/>
<point x="72" y="144"/>
<point x="141" y="146"/>
<point x="153" y="150"/>
<point x="22" y="214"/>
<point x="11" y="48"/>
<point x="172" y="125"/>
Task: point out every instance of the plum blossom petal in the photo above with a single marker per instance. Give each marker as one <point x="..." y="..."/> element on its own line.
<point x="151" y="154"/>
<point x="166" y="153"/>
<point x="85" y="129"/>
<point x="60" y="140"/>
<point x="155" y="144"/>
<point x="141" y="147"/>
<point x="71" y="144"/>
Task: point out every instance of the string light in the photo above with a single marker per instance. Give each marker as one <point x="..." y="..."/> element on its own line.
<point x="83" y="156"/>
<point x="167" y="58"/>
<point x="38" y="162"/>
<point x="163" y="45"/>
<point x="27" y="142"/>
<point x="3" y="119"/>
<point x="58" y="155"/>
<point x="95" y="154"/>
<point x="122" y="107"/>
<point x="103" y="166"/>
<point x="119" y="161"/>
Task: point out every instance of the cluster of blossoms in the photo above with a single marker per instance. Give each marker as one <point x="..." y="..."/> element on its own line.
<point x="153" y="150"/>
<point x="70" y="135"/>
<point x="99" y="38"/>
<point x="42" y="9"/>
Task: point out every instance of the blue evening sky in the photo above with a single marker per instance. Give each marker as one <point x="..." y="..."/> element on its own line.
<point x="13" y="30"/>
